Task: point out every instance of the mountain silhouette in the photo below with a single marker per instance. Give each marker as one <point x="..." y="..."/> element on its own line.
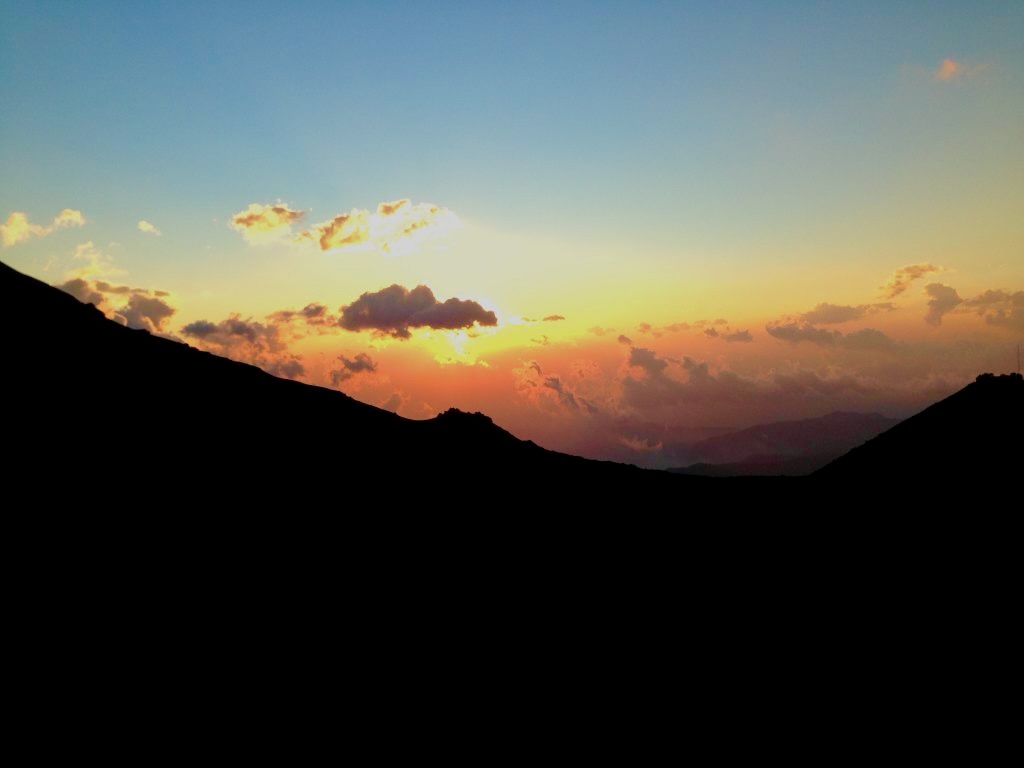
<point x="97" y="410"/>
<point x="93" y="403"/>
<point x="784" y="447"/>
<point x="974" y="435"/>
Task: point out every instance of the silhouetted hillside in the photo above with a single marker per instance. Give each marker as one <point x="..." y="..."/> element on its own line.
<point x="973" y="436"/>
<point x="95" y="408"/>
<point x="784" y="447"/>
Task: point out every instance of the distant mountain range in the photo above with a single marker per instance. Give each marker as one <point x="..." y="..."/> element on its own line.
<point x="95" y="410"/>
<point x="784" y="447"/>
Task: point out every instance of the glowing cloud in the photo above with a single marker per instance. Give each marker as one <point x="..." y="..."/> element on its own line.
<point x="264" y="223"/>
<point x="18" y="228"/>
<point x="951" y="69"/>
<point x="149" y="229"/>
<point x="396" y="309"/>
<point x="393" y="226"/>
<point x="903" y="277"/>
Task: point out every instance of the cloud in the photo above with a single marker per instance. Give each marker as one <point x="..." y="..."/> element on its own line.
<point x="143" y="308"/>
<point x="396" y="309"/>
<point x="834" y="314"/>
<point x="553" y="318"/>
<point x="149" y="229"/>
<point x="904" y="276"/>
<point x="738" y="336"/>
<point x="711" y="333"/>
<point x="661" y="387"/>
<point x="83" y="290"/>
<point x="867" y="339"/>
<point x="261" y="223"/>
<point x="624" y="339"/>
<point x="391" y="225"/>
<point x="362" y="363"/>
<point x="146" y="312"/>
<point x="1000" y="308"/>
<point x="18" y="228"/>
<point x="247" y="341"/>
<point x="943" y="300"/>
<point x="564" y="396"/>
<point x="646" y="359"/>
<point x="597" y="330"/>
<point x="314" y="314"/>
<point x="951" y="69"/>
<point x="795" y="333"/>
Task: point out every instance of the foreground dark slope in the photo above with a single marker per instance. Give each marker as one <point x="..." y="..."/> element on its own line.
<point x="89" y="400"/>
<point x="975" y="436"/>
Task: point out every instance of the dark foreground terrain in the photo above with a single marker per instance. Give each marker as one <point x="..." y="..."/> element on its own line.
<point x="98" y="411"/>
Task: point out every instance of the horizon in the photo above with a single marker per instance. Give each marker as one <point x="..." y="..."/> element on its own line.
<point x="636" y="226"/>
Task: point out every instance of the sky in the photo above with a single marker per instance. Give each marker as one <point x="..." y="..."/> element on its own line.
<point x="635" y="224"/>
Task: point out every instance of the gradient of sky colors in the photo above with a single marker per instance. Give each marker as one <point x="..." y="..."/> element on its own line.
<point x="641" y="170"/>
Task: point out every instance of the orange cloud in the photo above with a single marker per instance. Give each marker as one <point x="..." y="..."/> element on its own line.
<point x="951" y="69"/>
<point x="262" y="223"/>
<point x="18" y="228"/>
<point x="904" y="276"/>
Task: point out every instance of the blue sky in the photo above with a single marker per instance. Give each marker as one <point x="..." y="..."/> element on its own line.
<point x="633" y="166"/>
<point x="540" y="110"/>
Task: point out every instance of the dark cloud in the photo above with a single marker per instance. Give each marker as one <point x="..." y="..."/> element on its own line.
<point x="599" y="331"/>
<point x="312" y="314"/>
<point x="553" y="318"/>
<point x="82" y="290"/>
<point x="362" y="363"/>
<point x="146" y="312"/>
<point x="904" y="276"/>
<point x="565" y="397"/>
<point x="833" y="314"/>
<point x="647" y="359"/>
<point x="738" y="336"/>
<point x="676" y="327"/>
<point x="1000" y="308"/>
<point x="543" y="341"/>
<point x="660" y="387"/>
<point x="795" y="333"/>
<point x="867" y="339"/>
<point x="144" y="309"/>
<point x="711" y="333"/>
<point x="396" y="309"/>
<point x="625" y="339"/>
<point x="944" y="299"/>
<point x="247" y="341"/>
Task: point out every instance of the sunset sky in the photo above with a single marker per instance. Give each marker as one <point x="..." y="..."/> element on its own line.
<point x="636" y="224"/>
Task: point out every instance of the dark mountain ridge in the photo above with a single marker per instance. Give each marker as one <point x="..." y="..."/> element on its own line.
<point x="95" y="409"/>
